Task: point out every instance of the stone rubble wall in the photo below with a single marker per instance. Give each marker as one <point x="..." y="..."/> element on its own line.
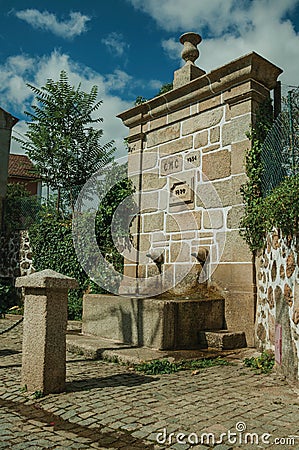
<point x="278" y="302"/>
<point x="15" y="255"/>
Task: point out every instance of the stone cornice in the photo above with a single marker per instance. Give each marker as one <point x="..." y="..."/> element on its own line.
<point x="249" y="67"/>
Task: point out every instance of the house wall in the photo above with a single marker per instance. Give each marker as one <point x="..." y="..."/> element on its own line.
<point x="7" y="121"/>
<point x="187" y="153"/>
<point x="31" y="186"/>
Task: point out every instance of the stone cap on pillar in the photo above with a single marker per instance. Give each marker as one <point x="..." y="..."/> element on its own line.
<point x="47" y="279"/>
<point x="189" y="54"/>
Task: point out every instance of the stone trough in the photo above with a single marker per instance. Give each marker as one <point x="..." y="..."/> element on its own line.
<point x="160" y="323"/>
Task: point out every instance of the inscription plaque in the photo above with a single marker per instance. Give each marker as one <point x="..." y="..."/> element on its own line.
<point x="192" y="160"/>
<point x="181" y="192"/>
<point x="172" y="164"/>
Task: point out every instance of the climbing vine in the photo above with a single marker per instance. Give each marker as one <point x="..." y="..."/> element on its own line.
<point x="280" y="209"/>
<point x="253" y="226"/>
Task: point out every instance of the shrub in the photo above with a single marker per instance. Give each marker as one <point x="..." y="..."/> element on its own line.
<point x="52" y="241"/>
<point x="9" y="295"/>
<point x="164" y="366"/>
<point x="261" y="364"/>
<point x="21" y="208"/>
<point x="52" y="245"/>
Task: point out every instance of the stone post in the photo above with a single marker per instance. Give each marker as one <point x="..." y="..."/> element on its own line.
<point x="45" y="322"/>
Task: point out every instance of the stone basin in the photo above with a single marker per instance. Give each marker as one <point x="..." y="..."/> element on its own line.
<point x="162" y="323"/>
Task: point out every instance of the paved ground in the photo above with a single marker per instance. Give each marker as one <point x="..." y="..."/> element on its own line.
<point x="108" y="406"/>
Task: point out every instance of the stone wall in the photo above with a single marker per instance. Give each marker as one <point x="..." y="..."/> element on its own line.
<point x="277" y="326"/>
<point x="187" y="155"/>
<point x="15" y="255"/>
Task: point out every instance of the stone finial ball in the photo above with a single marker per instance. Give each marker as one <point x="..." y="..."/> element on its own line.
<point x="190" y="51"/>
<point x="194" y="38"/>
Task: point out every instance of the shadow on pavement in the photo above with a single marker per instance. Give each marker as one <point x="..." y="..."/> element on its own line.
<point x="118" y="439"/>
<point x="8" y="351"/>
<point x="126" y="379"/>
<point x="10" y="366"/>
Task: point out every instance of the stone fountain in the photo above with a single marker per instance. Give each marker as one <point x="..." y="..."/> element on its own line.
<point x="189" y="279"/>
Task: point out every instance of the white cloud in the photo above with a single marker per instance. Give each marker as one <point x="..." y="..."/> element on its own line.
<point x="175" y="15"/>
<point x="275" y="40"/>
<point x="172" y="48"/>
<point x="68" y="29"/>
<point x="231" y="29"/>
<point x="18" y="131"/>
<point x="154" y="84"/>
<point x="118" y="80"/>
<point x="21" y="69"/>
<point x="12" y="88"/>
<point x="219" y="16"/>
<point x="115" y="44"/>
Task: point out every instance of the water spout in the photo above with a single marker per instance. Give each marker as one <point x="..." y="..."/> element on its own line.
<point x="157" y="258"/>
<point x="201" y="256"/>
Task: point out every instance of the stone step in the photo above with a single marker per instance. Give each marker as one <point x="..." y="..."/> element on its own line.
<point x="222" y="339"/>
<point x="93" y="347"/>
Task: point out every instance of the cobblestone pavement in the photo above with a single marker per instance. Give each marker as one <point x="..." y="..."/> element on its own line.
<point x="108" y="406"/>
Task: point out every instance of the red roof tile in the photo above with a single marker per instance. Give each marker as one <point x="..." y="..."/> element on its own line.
<point x="20" y="166"/>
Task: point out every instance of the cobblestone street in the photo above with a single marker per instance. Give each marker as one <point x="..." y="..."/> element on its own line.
<point x="109" y="406"/>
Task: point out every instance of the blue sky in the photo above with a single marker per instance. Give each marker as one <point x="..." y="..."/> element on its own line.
<point x="131" y="47"/>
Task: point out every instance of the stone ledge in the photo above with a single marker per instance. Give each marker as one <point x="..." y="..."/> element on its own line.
<point x="251" y="66"/>
<point x="96" y="348"/>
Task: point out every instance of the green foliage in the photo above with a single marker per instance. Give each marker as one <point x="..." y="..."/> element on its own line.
<point x="205" y="363"/>
<point x="280" y="209"/>
<point x="9" y="296"/>
<point x="163" y="366"/>
<point x="21" y="208"/>
<point x="139" y="100"/>
<point x="165" y="88"/>
<point x="52" y="245"/>
<point x="52" y="242"/>
<point x="16" y="190"/>
<point x="158" y="366"/>
<point x="261" y="364"/>
<point x="61" y="138"/>
<point x="38" y="394"/>
<point x="114" y="197"/>
<point x="252" y="226"/>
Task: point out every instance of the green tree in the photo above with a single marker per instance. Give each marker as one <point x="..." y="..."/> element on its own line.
<point x="61" y="138"/>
